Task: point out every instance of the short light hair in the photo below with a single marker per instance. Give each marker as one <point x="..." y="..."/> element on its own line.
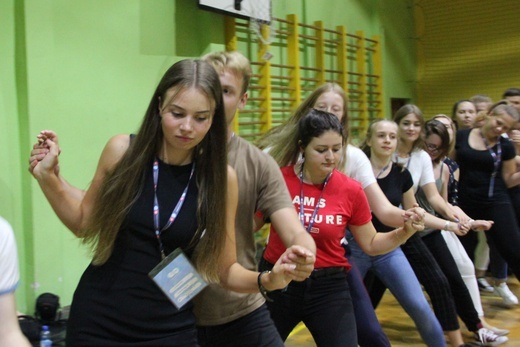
<point x="234" y="61"/>
<point x="502" y="107"/>
<point x="478" y="98"/>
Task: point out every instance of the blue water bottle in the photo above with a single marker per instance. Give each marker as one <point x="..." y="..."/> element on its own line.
<point x="45" y="337"/>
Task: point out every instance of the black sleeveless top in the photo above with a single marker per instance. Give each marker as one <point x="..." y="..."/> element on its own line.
<point x="117" y="304"/>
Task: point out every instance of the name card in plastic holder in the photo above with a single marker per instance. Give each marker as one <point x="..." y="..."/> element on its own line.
<point x="177" y="278"/>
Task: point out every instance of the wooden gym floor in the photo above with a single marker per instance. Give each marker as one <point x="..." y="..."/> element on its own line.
<point x="401" y="330"/>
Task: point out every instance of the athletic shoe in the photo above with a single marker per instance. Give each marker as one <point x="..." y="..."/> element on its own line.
<point x="488" y="338"/>
<point x="484" y="285"/>
<point x="499" y="332"/>
<point x="503" y="291"/>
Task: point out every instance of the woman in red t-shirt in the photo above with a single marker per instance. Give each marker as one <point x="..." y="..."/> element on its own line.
<point x="327" y="202"/>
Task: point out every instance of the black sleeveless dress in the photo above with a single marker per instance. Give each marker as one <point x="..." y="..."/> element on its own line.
<point x="117" y="304"/>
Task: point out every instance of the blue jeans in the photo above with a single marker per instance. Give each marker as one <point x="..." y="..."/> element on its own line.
<point x="255" y="329"/>
<point x="396" y="273"/>
<point x="369" y="331"/>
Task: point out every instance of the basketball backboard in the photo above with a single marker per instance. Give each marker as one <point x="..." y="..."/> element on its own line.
<point x="246" y="9"/>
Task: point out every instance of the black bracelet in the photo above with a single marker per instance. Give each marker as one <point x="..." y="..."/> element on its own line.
<point x="261" y="288"/>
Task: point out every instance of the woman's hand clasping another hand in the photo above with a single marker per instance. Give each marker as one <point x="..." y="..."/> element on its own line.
<point x="414" y="217"/>
<point x="44" y="155"/>
<point x="296" y="263"/>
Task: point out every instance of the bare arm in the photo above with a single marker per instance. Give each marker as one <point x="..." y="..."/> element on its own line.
<point x="70" y="204"/>
<point x="514" y="135"/>
<point x="437" y="202"/>
<point x="445" y="179"/>
<point x="374" y="243"/>
<point x="509" y="173"/>
<point x="456" y="174"/>
<point x="517" y="162"/>
<point x="10" y="333"/>
<point x="430" y="220"/>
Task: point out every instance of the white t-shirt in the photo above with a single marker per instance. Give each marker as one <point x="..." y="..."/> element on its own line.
<point x="420" y="166"/>
<point x="9" y="273"/>
<point x="358" y="167"/>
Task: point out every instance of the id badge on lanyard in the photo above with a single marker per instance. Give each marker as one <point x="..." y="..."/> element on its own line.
<point x="178" y="278"/>
<point x="174" y="275"/>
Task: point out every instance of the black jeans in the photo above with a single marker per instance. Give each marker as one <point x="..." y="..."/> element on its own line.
<point x="322" y="302"/>
<point x="255" y="329"/>
<point x="504" y="234"/>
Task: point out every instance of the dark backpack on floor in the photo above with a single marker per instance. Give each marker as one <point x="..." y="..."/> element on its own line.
<point x="47" y="307"/>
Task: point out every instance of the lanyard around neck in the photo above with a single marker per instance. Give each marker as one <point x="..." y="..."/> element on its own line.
<point x="316" y="208"/>
<point x="497" y="158"/>
<point x="383" y="169"/>
<point x="400" y="162"/>
<point x="176" y="209"/>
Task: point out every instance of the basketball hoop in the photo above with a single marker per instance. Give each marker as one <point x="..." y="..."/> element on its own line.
<point x="261" y="9"/>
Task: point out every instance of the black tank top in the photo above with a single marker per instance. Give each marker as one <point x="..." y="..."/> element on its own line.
<point x="117" y="304"/>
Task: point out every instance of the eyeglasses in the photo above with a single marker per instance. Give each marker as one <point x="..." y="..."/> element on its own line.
<point x="431" y="147"/>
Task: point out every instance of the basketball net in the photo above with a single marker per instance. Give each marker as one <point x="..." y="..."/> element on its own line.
<point x="261" y="9"/>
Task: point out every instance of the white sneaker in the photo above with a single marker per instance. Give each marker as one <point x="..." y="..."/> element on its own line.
<point x="488" y="338"/>
<point x="503" y="291"/>
<point x="484" y="285"/>
<point x="498" y="331"/>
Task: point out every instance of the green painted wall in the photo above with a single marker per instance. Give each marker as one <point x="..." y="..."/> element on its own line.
<point x="13" y="126"/>
<point x="87" y="69"/>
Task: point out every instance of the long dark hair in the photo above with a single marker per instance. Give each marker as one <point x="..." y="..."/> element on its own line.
<point x="435" y="127"/>
<point x="455" y="108"/>
<point x="123" y="184"/>
<point x="314" y="124"/>
<point x="452" y="127"/>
